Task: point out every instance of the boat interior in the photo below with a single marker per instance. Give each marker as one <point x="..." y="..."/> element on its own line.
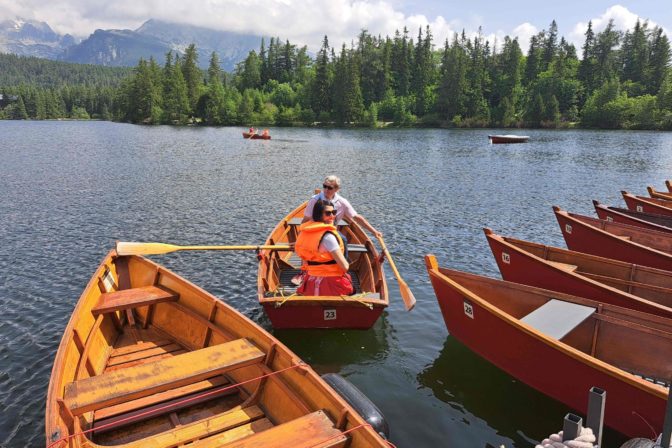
<point x="150" y="360"/>
<point x="636" y="342"/>
<point x="649" y="283"/>
<point x="661" y="220"/>
<point x="277" y="268"/>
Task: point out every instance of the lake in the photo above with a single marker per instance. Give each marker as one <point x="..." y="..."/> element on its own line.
<point x="69" y="190"/>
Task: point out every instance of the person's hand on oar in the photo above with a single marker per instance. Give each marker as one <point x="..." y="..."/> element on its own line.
<point x="406" y="294"/>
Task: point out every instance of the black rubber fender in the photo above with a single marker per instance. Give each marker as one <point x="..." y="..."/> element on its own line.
<point x="360" y="402"/>
<point x="639" y="443"/>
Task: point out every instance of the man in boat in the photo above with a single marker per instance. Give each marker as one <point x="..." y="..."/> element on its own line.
<point x="265" y="133"/>
<point x="329" y="192"/>
<point x="322" y="249"/>
<point x="252" y="131"/>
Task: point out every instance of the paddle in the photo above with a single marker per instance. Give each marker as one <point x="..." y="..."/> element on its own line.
<point x="406" y="294"/>
<point x="134" y="248"/>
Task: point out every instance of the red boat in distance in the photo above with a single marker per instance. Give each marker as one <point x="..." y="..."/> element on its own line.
<point x="615" y="240"/>
<point x="562" y="345"/>
<point x="647" y="205"/>
<point x="650" y="221"/>
<point x="249" y="136"/>
<point x="508" y="138"/>
<point x="668" y="184"/>
<point x="659" y="194"/>
<point x="616" y="282"/>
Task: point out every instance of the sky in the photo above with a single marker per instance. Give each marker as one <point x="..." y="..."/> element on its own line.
<point x="305" y="22"/>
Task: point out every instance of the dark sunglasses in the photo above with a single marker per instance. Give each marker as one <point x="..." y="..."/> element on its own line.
<point x="328" y="187"/>
<point x="330" y="212"/>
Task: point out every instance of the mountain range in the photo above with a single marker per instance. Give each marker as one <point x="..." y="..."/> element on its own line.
<point x="125" y="47"/>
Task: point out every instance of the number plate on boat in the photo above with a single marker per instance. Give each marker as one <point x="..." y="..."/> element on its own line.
<point x="610" y="219"/>
<point x="468" y="310"/>
<point x="640" y="208"/>
<point x="329" y="314"/>
<point x="568" y="229"/>
<point x="506" y="258"/>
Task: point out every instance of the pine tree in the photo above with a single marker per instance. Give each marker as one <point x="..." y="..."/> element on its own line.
<point x="175" y="99"/>
<point x="192" y="76"/>
<point x="321" y="89"/>
<point x="587" y="67"/>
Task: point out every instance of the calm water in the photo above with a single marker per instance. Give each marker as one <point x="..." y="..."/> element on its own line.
<point x="68" y="190"/>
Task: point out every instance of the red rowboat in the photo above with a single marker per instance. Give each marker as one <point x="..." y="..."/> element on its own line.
<point x="508" y="138"/>
<point x="287" y="310"/>
<point x="610" y="281"/>
<point x="659" y="194"/>
<point x="647" y="205"/>
<point x="651" y="221"/>
<point x="615" y="240"/>
<point x="563" y="345"/>
<point x="256" y="136"/>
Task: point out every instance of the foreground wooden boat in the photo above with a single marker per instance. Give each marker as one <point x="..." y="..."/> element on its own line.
<point x="256" y="136"/>
<point x="610" y="281"/>
<point x="659" y="194"/>
<point x="508" y="138"/>
<point x="615" y="240"/>
<point x="151" y="360"/>
<point x="650" y="221"/>
<point x="647" y="205"/>
<point x="563" y="345"/>
<point x="288" y="310"/>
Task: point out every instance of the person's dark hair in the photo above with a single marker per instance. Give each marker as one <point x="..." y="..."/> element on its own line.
<point x="319" y="208"/>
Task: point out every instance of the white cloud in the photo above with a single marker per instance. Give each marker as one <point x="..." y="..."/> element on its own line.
<point x="524" y="32"/>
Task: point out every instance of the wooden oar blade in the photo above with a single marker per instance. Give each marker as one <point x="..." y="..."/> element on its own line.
<point x="134" y="248"/>
<point x="407" y="296"/>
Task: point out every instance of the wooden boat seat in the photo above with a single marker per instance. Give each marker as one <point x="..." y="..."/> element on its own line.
<point x="119" y="386"/>
<point x="311" y="430"/>
<point x="132" y="298"/>
<point x="556" y="318"/>
<point x="563" y="266"/>
<point x="297" y="222"/>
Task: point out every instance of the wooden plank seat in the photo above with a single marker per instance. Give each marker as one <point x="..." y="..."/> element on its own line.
<point x="119" y="386"/>
<point x="563" y="266"/>
<point x="556" y="318"/>
<point x="132" y="298"/>
<point x="311" y="430"/>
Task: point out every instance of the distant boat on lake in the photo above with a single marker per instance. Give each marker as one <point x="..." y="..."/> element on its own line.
<point x="508" y="138"/>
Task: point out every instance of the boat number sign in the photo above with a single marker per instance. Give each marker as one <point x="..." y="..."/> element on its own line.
<point x="329" y="314"/>
<point x="640" y="208"/>
<point x="568" y="229"/>
<point x="610" y="219"/>
<point x="506" y="258"/>
<point x="468" y="310"/>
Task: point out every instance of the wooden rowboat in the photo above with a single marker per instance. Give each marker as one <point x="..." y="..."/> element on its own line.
<point x="151" y="360"/>
<point x="249" y="136"/>
<point x="610" y="281"/>
<point x="647" y="205"/>
<point x="650" y="221"/>
<point x="659" y="194"/>
<point x="508" y="138"/>
<point x="668" y="184"/>
<point x="287" y="310"/>
<point x="563" y="345"/>
<point x="615" y="240"/>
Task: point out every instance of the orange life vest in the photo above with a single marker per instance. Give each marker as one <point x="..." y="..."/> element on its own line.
<point x="320" y="264"/>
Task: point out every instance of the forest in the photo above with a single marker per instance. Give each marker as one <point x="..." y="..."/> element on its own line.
<point x="616" y="80"/>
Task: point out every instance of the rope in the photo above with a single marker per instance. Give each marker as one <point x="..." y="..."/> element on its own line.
<point x="585" y="440"/>
<point x="280" y="289"/>
<point x="187" y="400"/>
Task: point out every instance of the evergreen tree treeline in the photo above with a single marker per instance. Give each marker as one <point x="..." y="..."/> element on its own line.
<point x="623" y="80"/>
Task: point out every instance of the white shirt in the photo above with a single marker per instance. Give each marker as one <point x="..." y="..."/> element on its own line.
<point x="329" y="243"/>
<point x="342" y="206"/>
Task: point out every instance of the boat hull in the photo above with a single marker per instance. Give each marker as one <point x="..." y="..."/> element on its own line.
<point x="616" y="241"/>
<point x="649" y="221"/>
<point x="545" y="364"/>
<point x="325" y="315"/>
<point x="249" y="136"/>
<point x="647" y="205"/>
<point x="495" y="139"/>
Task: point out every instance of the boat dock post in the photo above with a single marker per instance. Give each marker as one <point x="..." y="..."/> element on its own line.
<point x="572" y="426"/>
<point x="595" y="419"/>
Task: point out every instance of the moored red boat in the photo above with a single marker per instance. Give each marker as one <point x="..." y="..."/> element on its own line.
<point x="149" y="359"/>
<point x="563" y="345"/>
<point x="508" y="138"/>
<point x="285" y="309"/>
<point x="650" y="221"/>
<point x="659" y="194"/>
<point x="616" y="282"/>
<point x="615" y="240"/>
<point x="647" y="205"/>
<point x="256" y="136"/>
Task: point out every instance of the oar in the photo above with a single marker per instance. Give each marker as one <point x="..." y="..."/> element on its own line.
<point x="406" y="294"/>
<point x="134" y="248"/>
